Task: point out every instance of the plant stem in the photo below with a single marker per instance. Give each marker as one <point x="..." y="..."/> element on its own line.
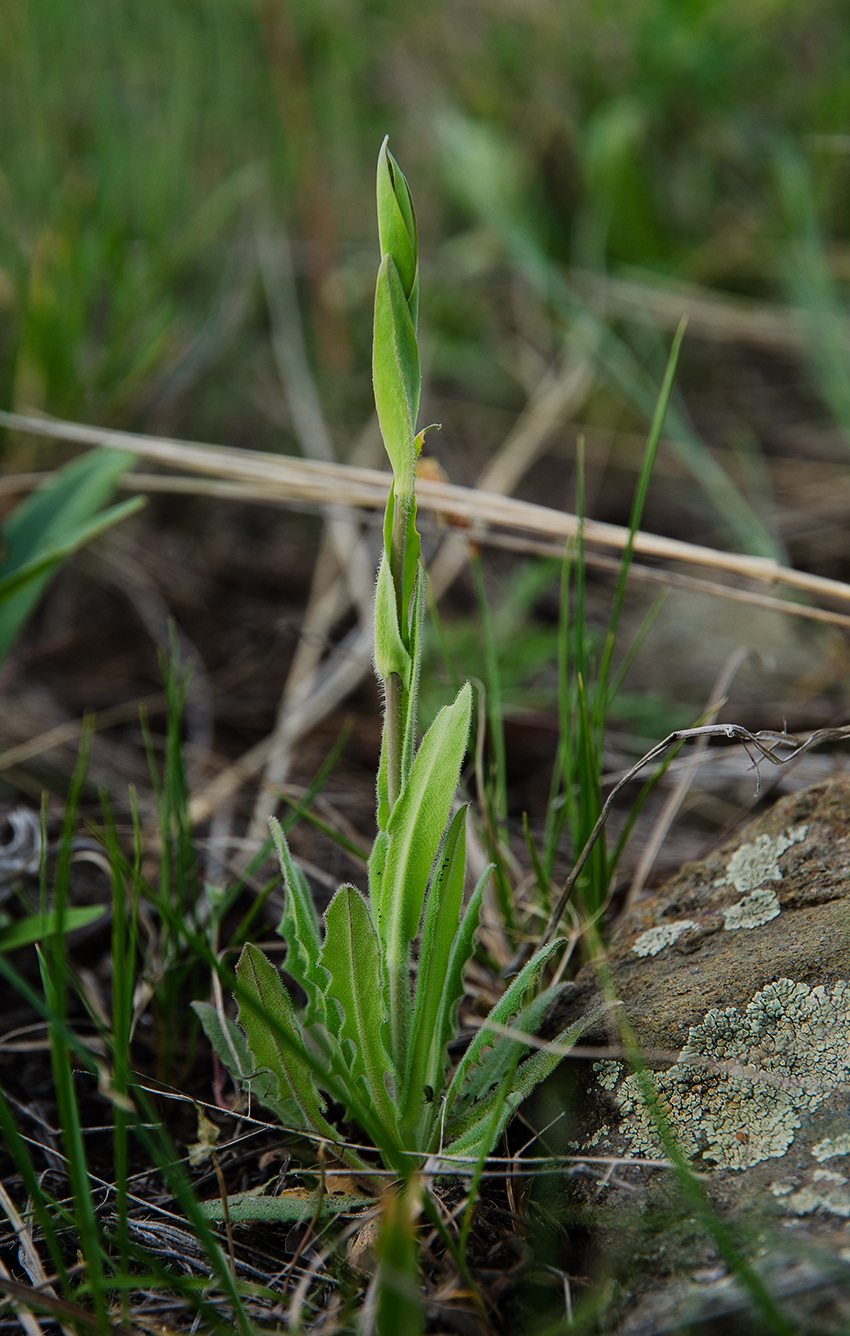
<point x="395" y="736"/>
<point x="395" y="692"/>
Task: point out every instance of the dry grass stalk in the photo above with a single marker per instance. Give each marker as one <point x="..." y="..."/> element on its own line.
<point x="323" y="484"/>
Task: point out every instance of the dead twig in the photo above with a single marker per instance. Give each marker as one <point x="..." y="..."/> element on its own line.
<point x="762" y="746"/>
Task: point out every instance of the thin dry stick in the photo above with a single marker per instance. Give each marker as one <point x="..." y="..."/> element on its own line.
<point x="314" y="483"/>
<point x="761" y="746"/>
<point x="674" y="579"/>
<point x="255" y="493"/>
<point x="675" y="799"/>
<point x="31" y="1263"/>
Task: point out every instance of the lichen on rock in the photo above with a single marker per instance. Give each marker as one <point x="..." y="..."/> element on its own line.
<point x="749" y="867"/>
<point x="826" y="1192"/>
<point x="665" y="934"/>
<point x="832" y="1146"/>
<point x="736" y="1094"/>
<point x="752" y="864"/>
<point x="753" y="911"/>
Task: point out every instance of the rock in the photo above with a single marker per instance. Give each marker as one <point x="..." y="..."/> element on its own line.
<point x="735" y="978"/>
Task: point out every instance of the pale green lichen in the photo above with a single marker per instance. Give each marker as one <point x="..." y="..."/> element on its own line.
<point x="608" y="1073"/>
<point x="751" y="865"/>
<point x="832" y="1146"/>
<point x="827" y="1192"/>
<point x="753" y="911"/>
<point x="748" y="869"/>
<point x="665" y="934"/>
<point x="739" y="1086"/>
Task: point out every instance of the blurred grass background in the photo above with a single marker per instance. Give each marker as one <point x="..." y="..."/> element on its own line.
<point x="143" y="146"/>
<point x="153" y="158"/>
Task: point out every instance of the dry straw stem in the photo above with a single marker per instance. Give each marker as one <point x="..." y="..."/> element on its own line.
<point x="325" y="484"/>
<point x="668" y="813"/>
<point x="724" y="319"/>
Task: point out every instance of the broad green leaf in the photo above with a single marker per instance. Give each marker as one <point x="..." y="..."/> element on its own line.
<point x="51" y="524"/>
<point x="230" y="1045"/>
<point x="417" y="823"/>
<point x="245" y="1207"/>
<point x="390" y="654"/>
<point x="68" y="498"/>
<point x="507" y="1006"/>
<point x="21" y="587"/>
<point x="397" y="224"/>
<point x="352" y="958"/>
<point x="396" y="377"/>
<point x="270" y="1052"/>
<point x="299" y="928"/>
<point x="227" y="1040"/>
<point x="480" y="1124"/>
<point x="37" y="926"/>
<point x="439" y="930"/>
<point x="415" y="828"/>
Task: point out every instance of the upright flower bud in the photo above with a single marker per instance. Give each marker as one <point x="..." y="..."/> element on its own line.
<point x="395" y="353"/>
<point x="397" y="227"/>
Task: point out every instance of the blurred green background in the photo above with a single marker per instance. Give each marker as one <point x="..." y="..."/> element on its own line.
<point x="145" y="147"/>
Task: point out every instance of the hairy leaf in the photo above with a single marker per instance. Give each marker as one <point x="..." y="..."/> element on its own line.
<point x="497" y="1060"/>
<point x="453" y="987"/>
<point x="243" y="1207"/>
<point x="377" y="867"/>
<point x="397" y="223"/>
<point x="507" y="1006"/>
<point x="231" y="1047"/>
<point x="395" y="372"/>
<point x="480" y="1131"/>
<point x="271" y="1053"/>
<point x="299" y="928"/>
<point x="352" y="958"/>
<point x="390" y="654"/>
<point x="417" y="823"/>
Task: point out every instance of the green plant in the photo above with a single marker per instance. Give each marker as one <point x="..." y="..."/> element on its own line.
<point x="362" y="1036"/>
<point x="75" y="1225"/>
<point x="50" y="525"/>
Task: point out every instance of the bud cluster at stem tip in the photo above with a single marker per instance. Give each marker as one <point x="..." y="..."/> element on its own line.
<point x="395" y="359"/>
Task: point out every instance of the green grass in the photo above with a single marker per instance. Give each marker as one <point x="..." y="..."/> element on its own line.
<point x="140" y="151"/>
